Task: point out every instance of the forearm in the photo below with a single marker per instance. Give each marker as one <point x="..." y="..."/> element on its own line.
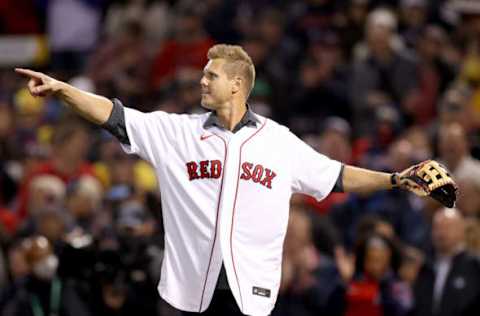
<point x="364" y="181"/>
<point x="92" y="107"/>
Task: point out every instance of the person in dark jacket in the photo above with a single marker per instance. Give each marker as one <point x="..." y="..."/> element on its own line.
<point x="450" y="284"/>
<point x="44" y="293"/>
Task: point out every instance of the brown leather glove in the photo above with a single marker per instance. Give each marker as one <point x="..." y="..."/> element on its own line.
<point x="428" y="178"/>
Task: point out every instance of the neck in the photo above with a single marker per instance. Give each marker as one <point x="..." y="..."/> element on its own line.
<point x="231" y="114"/>
<point x="449" y="253"/>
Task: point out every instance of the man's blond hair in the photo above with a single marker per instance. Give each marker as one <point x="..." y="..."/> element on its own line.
<point x="237" y="63"/>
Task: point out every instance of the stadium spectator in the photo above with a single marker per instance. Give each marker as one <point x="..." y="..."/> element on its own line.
<point x="353" y="31"/>
<point x="454" y="151"/>
<point x="435" y="74"/>
<point x="188" y="47"/>
<point x="322" y="82"/>
<point x="414" y="14"/>
<point x="83" y="202"/>
<point x="155" y="18"/>
<point x="68" y="161"/>
<point x="119" y="66"/>
<point x="383" y="74"/>
<point x="73" y="27"/>
<point x="43" y="292"/>
<point x="311" y="283"/>
<point x="371" y="291"/>
<point x="449" y="284"/>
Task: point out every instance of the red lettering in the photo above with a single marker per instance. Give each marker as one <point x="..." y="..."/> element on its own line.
<point x="215" y="169"/>
<point x="247" y="174"/>
<point x="203" y="169"/>
<point x="257" y="173"/>
<point x="192" y="170"/>
<point x="267" y="180"/>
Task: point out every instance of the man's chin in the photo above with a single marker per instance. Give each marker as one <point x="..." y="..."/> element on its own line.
<point x="207" y="105"/>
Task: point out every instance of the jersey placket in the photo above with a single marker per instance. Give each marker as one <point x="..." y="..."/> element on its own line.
<point x="221" y="253"/>
<point x="215" y="255"/>
<point x="228" y="210"/>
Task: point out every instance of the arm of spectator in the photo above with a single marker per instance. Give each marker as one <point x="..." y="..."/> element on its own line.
<point x="92" y="107"/>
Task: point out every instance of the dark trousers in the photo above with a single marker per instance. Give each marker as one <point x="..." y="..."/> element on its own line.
<point x="223" y="303"/>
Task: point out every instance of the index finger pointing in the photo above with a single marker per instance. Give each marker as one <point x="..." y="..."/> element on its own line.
<point x="28" y="72"/>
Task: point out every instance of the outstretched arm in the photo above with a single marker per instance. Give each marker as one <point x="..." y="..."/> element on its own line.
<point x="364" y="181"/>
<point x="426" y="178"/>
<point x="94" y="108"/>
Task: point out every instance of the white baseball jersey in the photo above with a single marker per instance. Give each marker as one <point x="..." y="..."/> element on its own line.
<point x="225" y="196"/>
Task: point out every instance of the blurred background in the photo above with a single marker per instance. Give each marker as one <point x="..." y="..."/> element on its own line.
<point x="379" y="84"/>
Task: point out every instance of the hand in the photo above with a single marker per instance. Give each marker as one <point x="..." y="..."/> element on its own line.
<point x="40" y="85"/>
<point x="405" y="180"/>
<point x="345" y="263"/>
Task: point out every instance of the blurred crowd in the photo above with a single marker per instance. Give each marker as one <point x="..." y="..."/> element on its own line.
<point x="379" y="84"/>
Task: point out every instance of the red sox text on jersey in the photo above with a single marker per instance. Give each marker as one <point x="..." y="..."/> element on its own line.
<point x="207" y="169"/>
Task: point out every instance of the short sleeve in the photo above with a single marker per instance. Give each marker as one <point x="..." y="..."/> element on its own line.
<point x="313" y="174"/>
<point x="151" y="135"/>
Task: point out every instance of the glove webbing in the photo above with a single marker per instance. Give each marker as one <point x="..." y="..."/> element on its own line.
<point x="434" y="175"/>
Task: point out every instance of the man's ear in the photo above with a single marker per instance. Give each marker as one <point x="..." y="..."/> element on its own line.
<point x="237" y="84"/>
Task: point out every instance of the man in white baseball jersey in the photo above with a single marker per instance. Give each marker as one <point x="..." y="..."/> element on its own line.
<point x="226" y="178"/>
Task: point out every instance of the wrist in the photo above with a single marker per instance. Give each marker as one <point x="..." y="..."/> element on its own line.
<point x="394" y="180"/>
<point x="59" y="88"/>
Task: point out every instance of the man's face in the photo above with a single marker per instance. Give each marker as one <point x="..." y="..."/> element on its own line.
<point x="217" y="88"/>
<point x="378" y="37"/>
<point x="452" y="143"/>
<point x="377" y="261"/>
<point x="447" y="232"/>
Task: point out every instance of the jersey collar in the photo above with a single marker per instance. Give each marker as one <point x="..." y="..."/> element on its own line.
<point x="248" y="119"/>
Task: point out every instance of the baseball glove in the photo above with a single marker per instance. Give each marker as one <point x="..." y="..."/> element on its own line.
<point x="428" y="178"/>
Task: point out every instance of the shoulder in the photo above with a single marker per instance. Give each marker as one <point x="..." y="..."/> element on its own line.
<point x="186" y="119"/>
<point x="271" y="125"/>
<point x="196" y="117"/>
<point x="469" y="259"/>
